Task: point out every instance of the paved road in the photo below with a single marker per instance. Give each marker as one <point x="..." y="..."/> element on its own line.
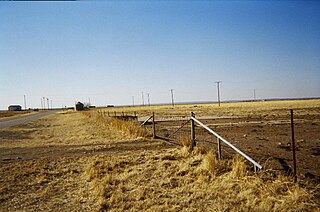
<point x="12" y="121"/>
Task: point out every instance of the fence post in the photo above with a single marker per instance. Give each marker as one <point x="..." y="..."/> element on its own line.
<point x="193" y="135"/>
<point x="293" y="148"/>
<point x="153" y="126"/>
<point x="219" y="149"/>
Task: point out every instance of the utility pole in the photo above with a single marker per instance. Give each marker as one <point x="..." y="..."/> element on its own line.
<point x="254" y="94"/>
<point x="25" y="102"/>
<point x="44" y="103"/>
<point x="148" y="98"/>
<point x="41" y="104"/>
<point x="218" y="86"/>
<point x="142" y="99"/>
<point x="133" y="101"/>
<point x="172" y="101"/>
<point x="48" y="103"/>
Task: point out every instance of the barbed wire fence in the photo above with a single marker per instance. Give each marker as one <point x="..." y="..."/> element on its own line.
<point x="265" y="136"/>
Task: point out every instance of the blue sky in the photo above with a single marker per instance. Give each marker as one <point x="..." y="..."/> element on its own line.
<point x="111" y="51"/>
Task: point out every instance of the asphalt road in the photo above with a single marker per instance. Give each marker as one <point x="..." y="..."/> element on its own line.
<point x="17" y="120"/>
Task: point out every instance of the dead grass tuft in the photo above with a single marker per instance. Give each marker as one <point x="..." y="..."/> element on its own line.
<point x="239" y="167"/>
<point x="185" y="141"/>
<point x="163" y="180"/>
<point x="185" y="151"/>
<point x="199" y="150"/>
<point x="127" y="129"/>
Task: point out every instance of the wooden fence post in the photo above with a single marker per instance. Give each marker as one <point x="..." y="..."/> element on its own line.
<point x="153" y="126"/>
<point x="193" y="135"/>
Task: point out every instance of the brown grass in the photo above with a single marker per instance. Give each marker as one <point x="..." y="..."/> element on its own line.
<point x="156" y="179"/>
<point x="128" y="129"/>
<point x="239" y="109"/>
<point x="169" y="180"/>
<point x="4" y="114"/>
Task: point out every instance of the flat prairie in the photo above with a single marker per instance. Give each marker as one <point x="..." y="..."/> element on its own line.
<point x="81" y="161"/>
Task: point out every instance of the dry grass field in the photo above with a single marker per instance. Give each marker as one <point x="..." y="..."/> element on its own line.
<point x="73" y="161"/>
<point x="4" y="114"/>
<point x="234" y="109"/>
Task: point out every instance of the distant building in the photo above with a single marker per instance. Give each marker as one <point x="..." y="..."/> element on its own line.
<point x="14" y="108"/>
<point x="79" y="106"/>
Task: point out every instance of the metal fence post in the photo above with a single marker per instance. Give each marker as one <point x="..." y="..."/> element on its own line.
<point x="193" y="135"/>
<point x="219" y="149"/>
<point x="153" y="126"/>
<point x="293" y="148"/>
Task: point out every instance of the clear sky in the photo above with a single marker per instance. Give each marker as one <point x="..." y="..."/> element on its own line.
<point x="111" y="51"/>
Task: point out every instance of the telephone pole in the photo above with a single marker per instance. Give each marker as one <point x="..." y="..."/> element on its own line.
<point x="44" y="103"/>
<point x="148" y="98"/>
<point x="25" y="102"/>
<point x="48" y="103"/>
<point x="142" y="99"/>
<point x="218" y="87"/>
<point x="172" y="101"/>
<point x="133" y="101"/>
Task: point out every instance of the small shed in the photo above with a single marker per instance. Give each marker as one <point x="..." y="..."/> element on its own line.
<point x="14" y="108"/>
<point x="79" y="106"/>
